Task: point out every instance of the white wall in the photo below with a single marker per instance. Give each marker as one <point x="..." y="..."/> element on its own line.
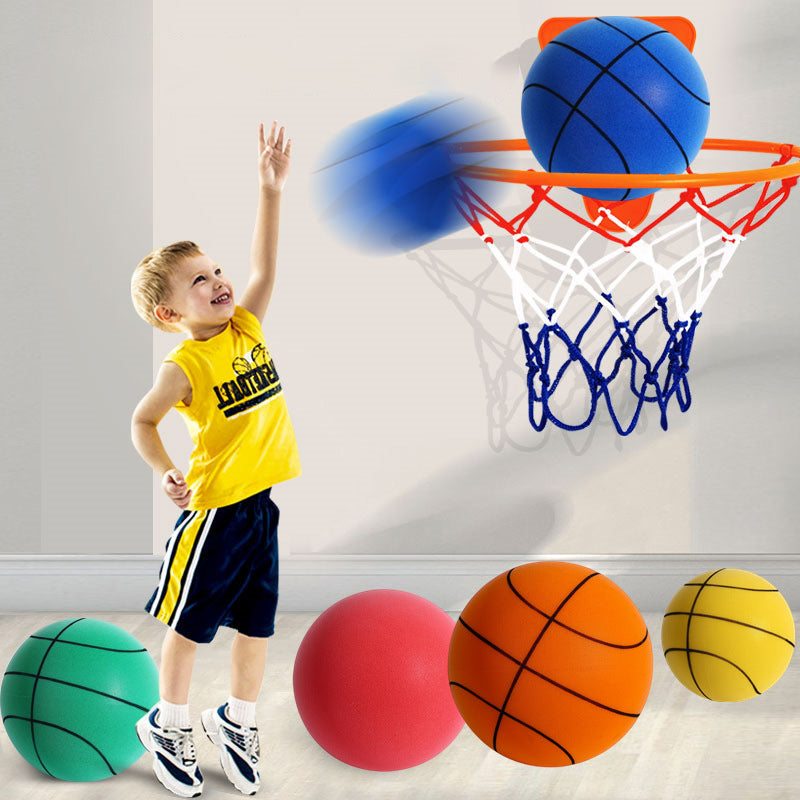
<point x="127" y="129"/>
<point x="380" y="367"/>
<point x="77" y="212"/>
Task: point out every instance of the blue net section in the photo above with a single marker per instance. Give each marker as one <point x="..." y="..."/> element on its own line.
<point x="656" y="381"/>
<point x="586" y="354"/>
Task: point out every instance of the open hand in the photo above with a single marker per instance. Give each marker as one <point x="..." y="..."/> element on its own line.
<point x="174" y="484"/>
<point x="273" y="157"/>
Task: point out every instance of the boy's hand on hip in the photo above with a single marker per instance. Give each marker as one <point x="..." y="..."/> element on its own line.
<point x="174" y="484"/>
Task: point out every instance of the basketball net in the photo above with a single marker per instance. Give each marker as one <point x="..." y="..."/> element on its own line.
<point x="619" y="308"/>
<point x="478" y="291"/>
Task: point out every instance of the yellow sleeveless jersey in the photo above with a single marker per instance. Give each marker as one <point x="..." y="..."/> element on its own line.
<point x="243" y="438"/>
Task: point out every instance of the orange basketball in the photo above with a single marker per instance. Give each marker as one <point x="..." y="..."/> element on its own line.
<point x="550" y="663"/>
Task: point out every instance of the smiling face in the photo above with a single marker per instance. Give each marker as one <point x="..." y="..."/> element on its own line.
<point x="201" y="302"/>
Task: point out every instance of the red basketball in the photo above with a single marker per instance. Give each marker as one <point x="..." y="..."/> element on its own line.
<point x="550" y="664"/>
<point x="370" y="680"/>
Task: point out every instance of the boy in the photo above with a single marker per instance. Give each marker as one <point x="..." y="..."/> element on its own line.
<point x="221" y="566"/>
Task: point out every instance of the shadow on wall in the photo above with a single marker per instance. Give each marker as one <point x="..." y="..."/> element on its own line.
<point x="481" y="505"/>
<point x="517" y="522"/>
<point x="653" y="489"/>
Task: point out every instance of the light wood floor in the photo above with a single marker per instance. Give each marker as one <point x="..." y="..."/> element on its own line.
<point x="681" y="748"/>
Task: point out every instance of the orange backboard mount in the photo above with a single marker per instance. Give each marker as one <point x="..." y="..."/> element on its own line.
<point x="679" y="27"/>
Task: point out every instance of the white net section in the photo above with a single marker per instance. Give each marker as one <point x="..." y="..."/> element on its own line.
<point x="609" y="321"/>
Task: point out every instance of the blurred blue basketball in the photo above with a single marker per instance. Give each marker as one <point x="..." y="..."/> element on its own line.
<point x="387" y="182"/>
<point x="615" y="94"/>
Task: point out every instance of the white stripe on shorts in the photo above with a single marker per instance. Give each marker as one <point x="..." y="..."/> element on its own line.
<point x="187" y="581"/>
<point x="162" y="586"/>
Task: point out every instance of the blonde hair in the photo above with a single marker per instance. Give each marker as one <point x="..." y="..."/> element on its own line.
<point x="150" y="284"/>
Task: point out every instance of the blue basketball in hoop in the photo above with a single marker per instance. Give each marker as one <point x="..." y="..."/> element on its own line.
<point x="608" y="321"/>
<point x="615" y="95"/>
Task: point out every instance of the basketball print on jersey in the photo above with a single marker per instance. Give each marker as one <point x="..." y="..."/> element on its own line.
<point x="255" y="382"/>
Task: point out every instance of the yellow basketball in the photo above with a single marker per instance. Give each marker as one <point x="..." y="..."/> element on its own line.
<point x="728" y="635"/>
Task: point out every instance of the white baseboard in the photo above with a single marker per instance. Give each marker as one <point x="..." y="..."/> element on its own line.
<point x="83" y="583"/>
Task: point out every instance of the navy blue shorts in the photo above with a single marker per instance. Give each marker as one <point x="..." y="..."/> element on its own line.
<point x="221" y="568"/>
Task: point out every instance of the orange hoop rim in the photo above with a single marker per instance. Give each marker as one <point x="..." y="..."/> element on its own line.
<point x="622" y="180"/>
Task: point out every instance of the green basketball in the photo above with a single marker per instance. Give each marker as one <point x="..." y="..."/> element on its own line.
<point x="71" y="696"/>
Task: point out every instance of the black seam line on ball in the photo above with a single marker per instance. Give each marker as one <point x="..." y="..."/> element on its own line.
<point x="588" y="119"/>
<point x="83" y="644"/>
<point x="546" y="678"/>
<point x="389" y="127"/>
<point x="604" y="70"/>
<point x="457" y="171"/>
<point x="660" y="63"/>
<point x="575" y="630"/>
<point x="407" y="154"/>
<point x="712" y="655"/>
<point x="82" y="687"/>
<point x="33" y="690"/>
<point x="402" y="122"/>
<point x="65" y="730"/>
<point x="732" y="621"/>
<point x="533" y="648"/>
<point x="518" y="721"/>
<point x="688" y="626"/>
<point x="725" y="586"/>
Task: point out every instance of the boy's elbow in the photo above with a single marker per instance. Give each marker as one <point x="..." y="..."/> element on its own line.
<point x="140" y="425"/>
<point x="144" y="414"/>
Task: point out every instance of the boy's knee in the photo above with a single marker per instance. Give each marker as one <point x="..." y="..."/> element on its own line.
<point x="251" y="639"/>
<point x="176" y="638"/>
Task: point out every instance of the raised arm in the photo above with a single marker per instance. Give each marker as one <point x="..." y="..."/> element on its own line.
<point x="273" y="169"/>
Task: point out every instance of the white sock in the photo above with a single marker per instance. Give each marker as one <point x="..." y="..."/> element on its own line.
<point x="172" y="715"/>
<point x="242" y="712"/>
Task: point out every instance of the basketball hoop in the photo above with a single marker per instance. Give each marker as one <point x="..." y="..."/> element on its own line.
<point x="654" y="275"/>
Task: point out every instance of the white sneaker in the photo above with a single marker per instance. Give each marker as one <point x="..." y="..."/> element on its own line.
<point x="174" y="755"/>
<point x="239" y="751"/>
